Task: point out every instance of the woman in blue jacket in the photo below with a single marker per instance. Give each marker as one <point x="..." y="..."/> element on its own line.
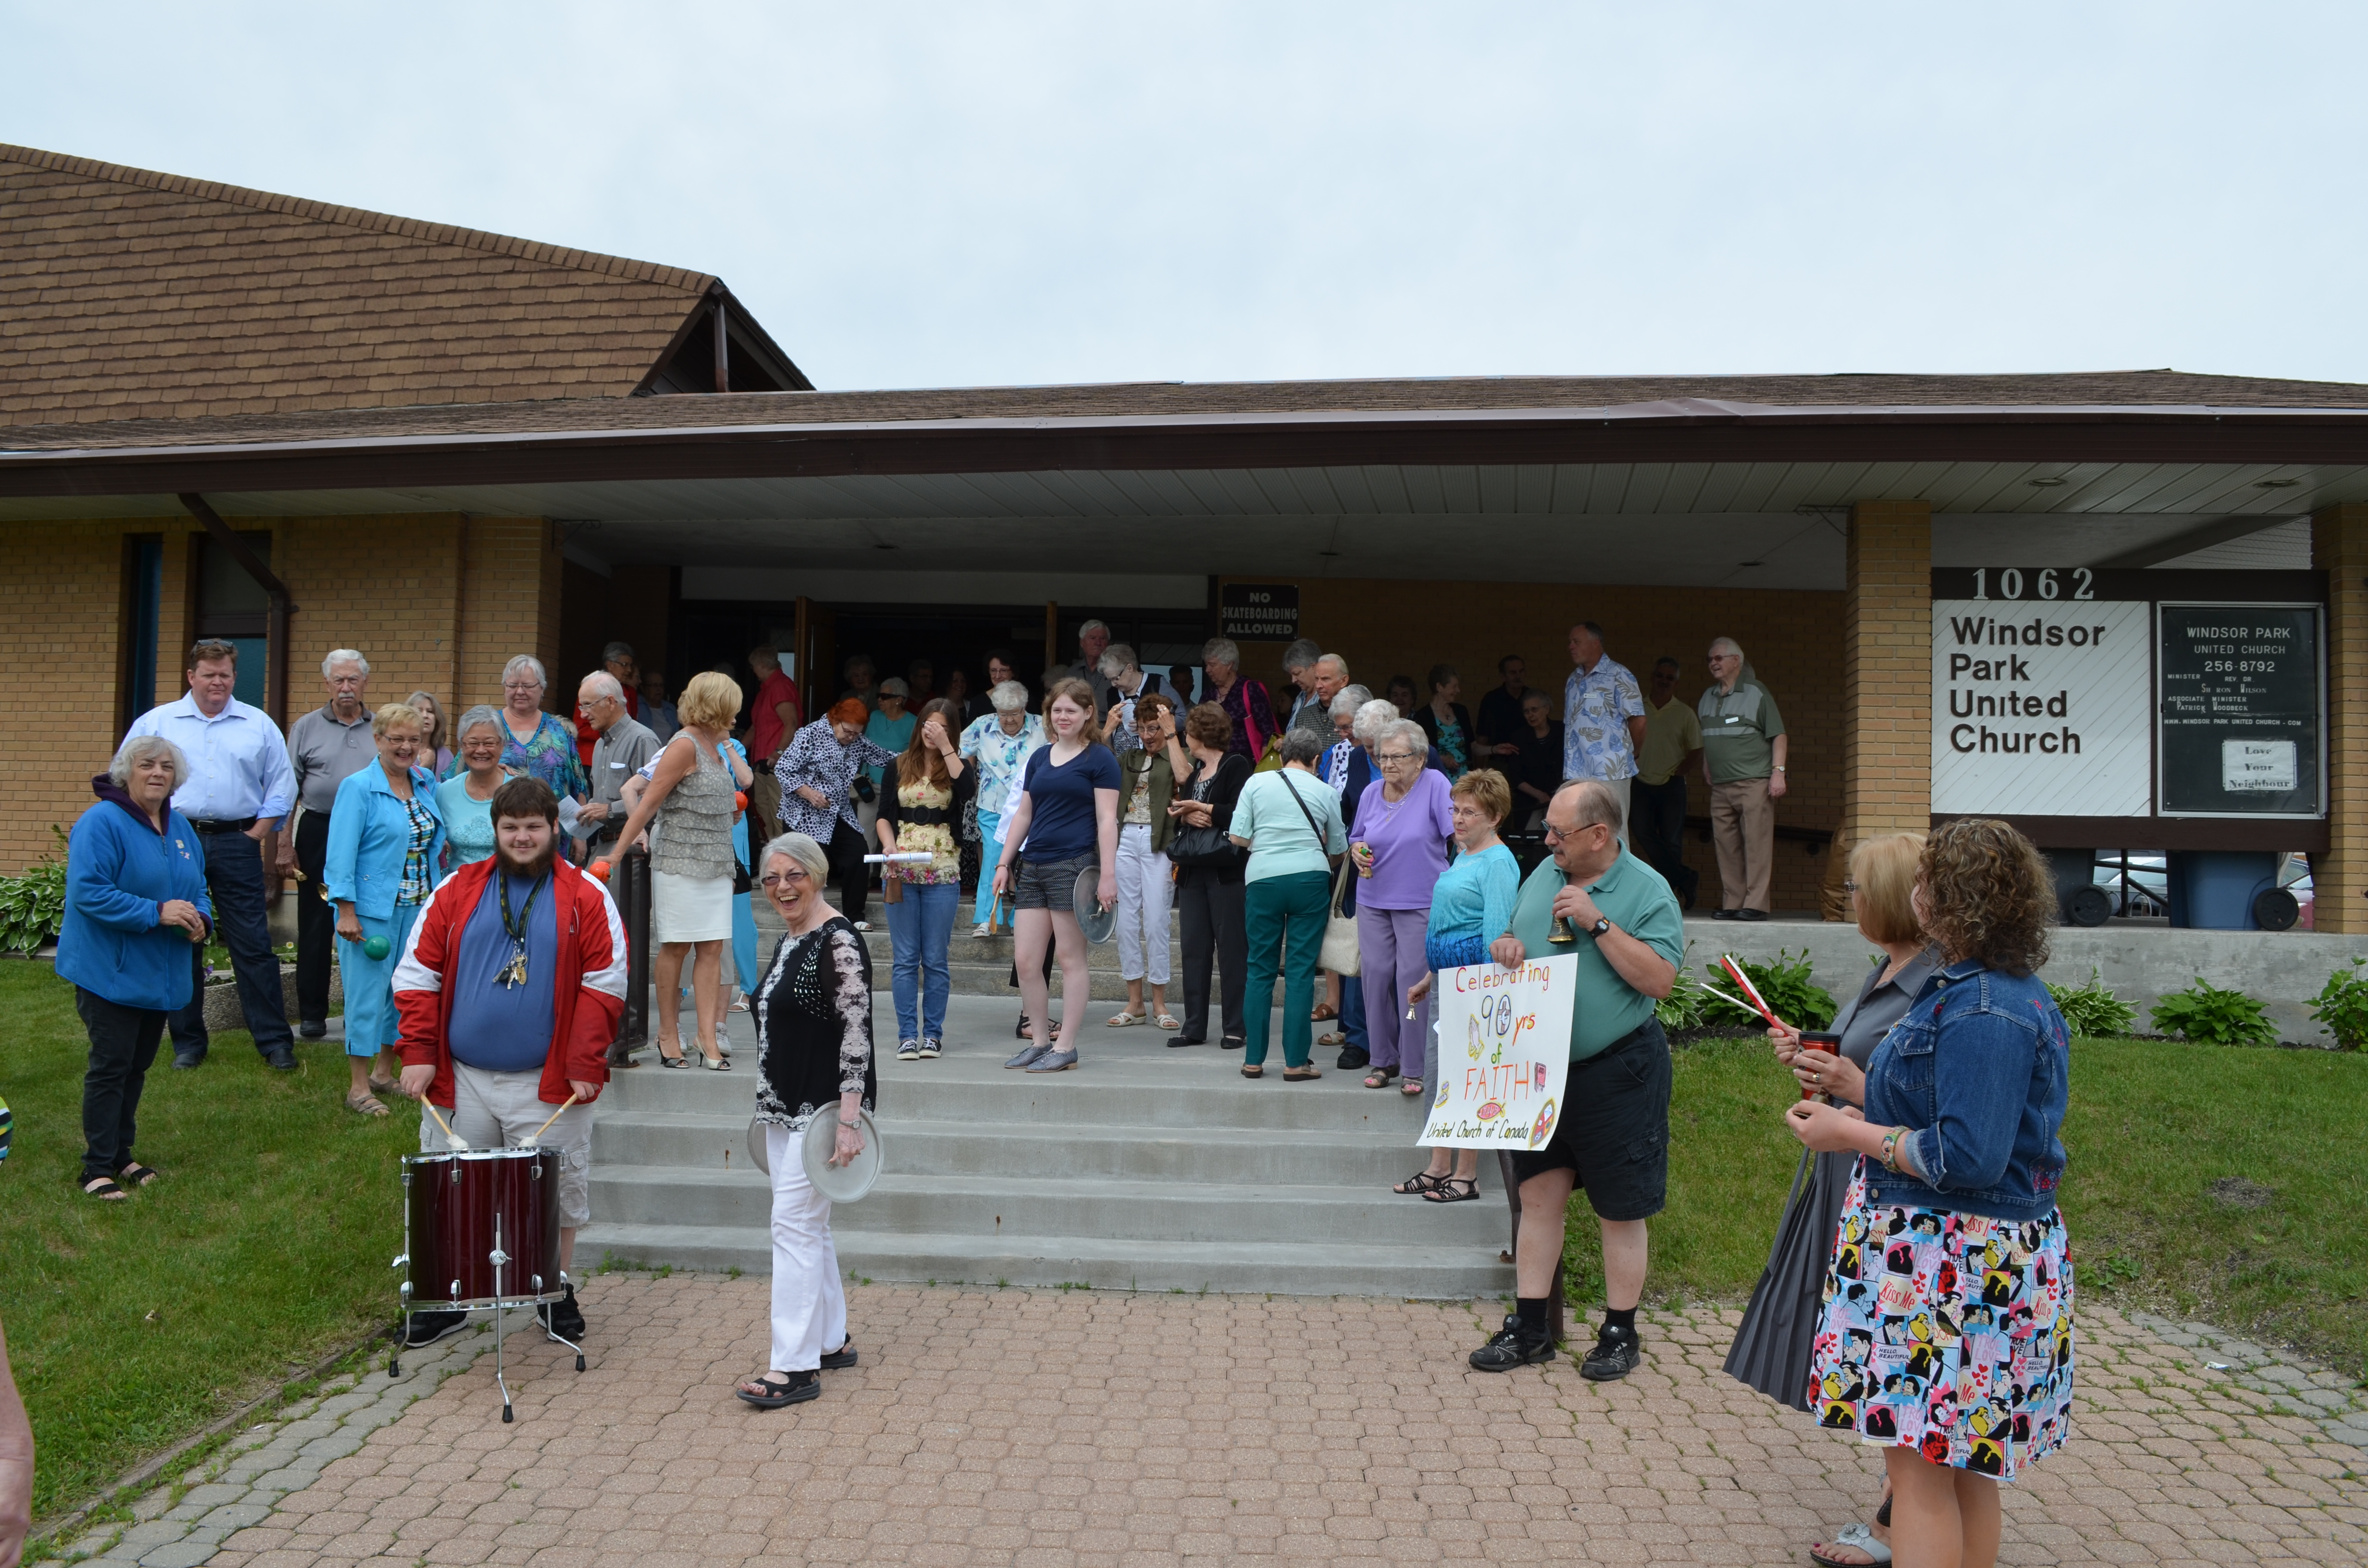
<point x="135" y="899"/>
<point x="386" y="843"/>
<point x="1947" y="1334"/>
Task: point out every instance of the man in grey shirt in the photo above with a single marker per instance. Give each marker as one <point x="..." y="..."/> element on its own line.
<point x="324" y="746"/>
<point x="625" y="744"/>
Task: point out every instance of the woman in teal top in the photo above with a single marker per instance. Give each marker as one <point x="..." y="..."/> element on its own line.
<point x="1471" y="907"/>
<point x="890" y="729"/>
<point x="467" y="798"/>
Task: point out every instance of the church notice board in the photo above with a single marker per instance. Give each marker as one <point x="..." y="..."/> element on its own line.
<point x="2080" y="698"/>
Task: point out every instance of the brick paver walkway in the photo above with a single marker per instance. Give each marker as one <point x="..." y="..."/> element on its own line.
<point x="1055" y="1429"/>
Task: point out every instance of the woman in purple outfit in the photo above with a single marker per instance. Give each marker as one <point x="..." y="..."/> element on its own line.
<point x="1404" y="824"/>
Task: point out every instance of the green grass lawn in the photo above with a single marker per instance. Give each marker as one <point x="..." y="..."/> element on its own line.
<point x="264" y="1247"/>
<point x="2206" y="1182"/>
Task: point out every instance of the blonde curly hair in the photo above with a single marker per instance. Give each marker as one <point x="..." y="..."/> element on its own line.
<point x="1987" y="894"/>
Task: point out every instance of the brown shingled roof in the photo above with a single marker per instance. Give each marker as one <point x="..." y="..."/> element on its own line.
<point x="130" y="295"/>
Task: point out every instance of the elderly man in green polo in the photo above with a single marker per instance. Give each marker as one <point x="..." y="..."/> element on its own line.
<point x="1619" y="917"/>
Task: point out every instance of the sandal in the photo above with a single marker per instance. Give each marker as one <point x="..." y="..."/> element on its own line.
<point x="1120" y="1021"/>
<point x="1252" y="1070"/>
<point x="363" y="1105"/>
<point x="1419" y="1184"/>
<point x="1168" y="1021"/>
<point x="138" y="1175"/>
<point x="103" y="1189"/>
<point x="1411" y="1088"/>
<point x="1300" y="1075"/>
<point x="1324" y="1011"/>
<point x="1454" y="1189"/>
<point x="1379" y="1078"/>
<point x="780" y="1391"/>
<point x="1856" y="1537"/>
<point x="384" y="1086"/>
<point x="1327" y="1042"/>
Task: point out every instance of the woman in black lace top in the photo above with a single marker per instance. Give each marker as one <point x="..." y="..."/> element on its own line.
<point x="814" y="1058"/>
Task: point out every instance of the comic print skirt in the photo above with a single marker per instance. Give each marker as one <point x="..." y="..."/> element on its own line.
<point x="1948" y="1333"/>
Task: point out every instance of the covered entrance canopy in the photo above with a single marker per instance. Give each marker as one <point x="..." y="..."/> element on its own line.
<point x="1419" y="522"/>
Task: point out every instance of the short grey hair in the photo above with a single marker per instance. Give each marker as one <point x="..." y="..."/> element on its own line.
<point x="1302" y="654"/>
<point x="616" y="650"/>
<point x="1116" y="660"/>
<point x="139" y="749"/>
<point x="343" y="656"/>
<point x="482" y="713"/>
<point x="803" y="850"/>
<point x="1007" y="694"/>
<point x="1727" y="645"/>
<point x="1349" y="698"/>
<point x="1597" y="803"/>
<point x="1303" y="746"/>
<point x="1407" y="734"/>
<point x="1371" y="718"/>
<point x="1101" y="626"/>
<point x="1337" y="662"/>
<point x="600" y="683"/>
<point x="1221" y="651"/>
<point x="531" y="664"/>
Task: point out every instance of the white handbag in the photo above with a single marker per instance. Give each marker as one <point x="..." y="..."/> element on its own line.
<point x="1340" y="950"/>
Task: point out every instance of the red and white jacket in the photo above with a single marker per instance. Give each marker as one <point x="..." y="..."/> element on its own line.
<point x="587" y="993"/>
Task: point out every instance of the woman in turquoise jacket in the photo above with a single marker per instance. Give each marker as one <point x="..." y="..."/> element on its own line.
<point x="135" y="899"/>
<point x="386" y="842"/>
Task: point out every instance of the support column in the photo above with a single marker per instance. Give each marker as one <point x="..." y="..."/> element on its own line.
<point x="1886" y="682"/>
<point x="2339" y="547"/>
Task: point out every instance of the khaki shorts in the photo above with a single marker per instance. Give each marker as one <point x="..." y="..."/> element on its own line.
<point x="500" y="1110"/>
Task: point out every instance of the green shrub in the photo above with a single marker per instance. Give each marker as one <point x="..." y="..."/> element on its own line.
<point x="1682" y="1008"/>
<point x="33" y="906"/>
<point x="2209" y="1016"/>
<point x="1786" y="987"/>
<point x="2342" y="1005"/>
<point x="2093" y="1009"/>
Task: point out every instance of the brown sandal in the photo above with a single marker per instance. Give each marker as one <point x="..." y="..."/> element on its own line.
<point x="1300" y="1075"/>
<point x="1252" y="1070"/>
<point x="1324" y="1011"/>
<point x="363" y="1105"/>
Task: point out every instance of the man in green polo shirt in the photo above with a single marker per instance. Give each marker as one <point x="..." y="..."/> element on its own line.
<point x="1614" y="1138"/>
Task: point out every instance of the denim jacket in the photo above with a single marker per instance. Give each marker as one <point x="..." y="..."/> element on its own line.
<point x="1979" y="1071"/>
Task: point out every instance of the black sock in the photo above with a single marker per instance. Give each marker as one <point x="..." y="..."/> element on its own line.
<point x="1625" y="1322"/>
<point x="1533" y="1313"/>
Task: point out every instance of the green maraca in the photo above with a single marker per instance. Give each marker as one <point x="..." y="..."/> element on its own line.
<point x="375" y="947"/>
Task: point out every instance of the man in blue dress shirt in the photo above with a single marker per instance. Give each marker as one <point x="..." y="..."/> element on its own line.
<point x="240" y="786"/>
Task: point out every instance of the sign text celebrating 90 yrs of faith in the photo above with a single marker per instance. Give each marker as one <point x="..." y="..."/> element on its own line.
<point x="1503" y="1051"/>
<point x="2040" y="698"/>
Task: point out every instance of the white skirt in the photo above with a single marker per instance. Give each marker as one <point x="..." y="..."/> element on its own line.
<point x="690" y="909"/>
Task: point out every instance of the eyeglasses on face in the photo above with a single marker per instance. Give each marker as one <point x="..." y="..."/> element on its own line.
<point x="521" y="685"/>
<point x="1556" y="835"/>
<point x="1397" y="757"/>
<point x="774" y="879"/>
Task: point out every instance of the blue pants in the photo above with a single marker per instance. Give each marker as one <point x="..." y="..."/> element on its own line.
<point x="372" y="1023"/>
<point x="920" y="926"/>
<point x="744" y="942"/>
<point x="1285" y="916"/>
<point x="990" y="851"/>
<point x="1352" y="1012"/>
<point x="234" y="882"/>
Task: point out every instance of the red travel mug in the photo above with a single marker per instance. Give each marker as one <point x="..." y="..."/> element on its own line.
<point x="1819" y="1039"/>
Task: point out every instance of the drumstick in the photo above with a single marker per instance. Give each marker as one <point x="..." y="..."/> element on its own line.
<point x="458" y="1142"/>
<point x="552" y="1117"/>
<point x="1739" y="1003"/>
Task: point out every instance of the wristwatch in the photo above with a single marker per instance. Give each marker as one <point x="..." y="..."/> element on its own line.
<point x="1602" y="924"/>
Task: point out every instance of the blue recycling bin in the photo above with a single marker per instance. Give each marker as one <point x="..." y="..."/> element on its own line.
<point x="2214" y="889"/>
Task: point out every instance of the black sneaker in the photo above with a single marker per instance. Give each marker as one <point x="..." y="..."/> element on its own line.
<point x="1513" y="1347"/>
<point x="426" y="1328"/>
<point x="839" y="1361"/>
<point x="313" y="1029"/>
<point x="1352" y="1057"/>
<point x="909" y="1050"/>
<point x="931" y="1048"/>
<point x="563" y="1318"/>
<point x="279" y="1059"/>
<point x="1616" y="1352"/>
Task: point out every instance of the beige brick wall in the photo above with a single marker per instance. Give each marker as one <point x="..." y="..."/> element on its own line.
<point x="2338" y="546"/>
<point x="436" y="601"/>
<point x="1385" y="627"/>
<point x="1886" y="686"/>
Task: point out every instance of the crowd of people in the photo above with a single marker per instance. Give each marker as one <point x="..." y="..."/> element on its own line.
<point x="1919" y="1291"/>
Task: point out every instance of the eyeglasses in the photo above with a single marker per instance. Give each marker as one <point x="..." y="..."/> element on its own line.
<point x="1850" y="886"/>
<point x="774" y="879"/>
<point x="521" y="685"/>
<point x="1397" y="757"/>
<point x="1556" y="835"/>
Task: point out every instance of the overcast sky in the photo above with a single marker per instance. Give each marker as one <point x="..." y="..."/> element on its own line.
<point x="950" y="195"/>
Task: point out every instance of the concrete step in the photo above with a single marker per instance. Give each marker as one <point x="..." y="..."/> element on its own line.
<point x="1105" y="1264"/>
<point x="1356" y="1160"/>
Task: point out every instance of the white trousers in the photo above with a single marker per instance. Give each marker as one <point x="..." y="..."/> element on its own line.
<point x="1145" y="890"/>
<point x="809" y="1297"/>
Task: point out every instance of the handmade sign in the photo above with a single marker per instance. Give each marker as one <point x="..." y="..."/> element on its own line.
<point x="1503" y="1048"/>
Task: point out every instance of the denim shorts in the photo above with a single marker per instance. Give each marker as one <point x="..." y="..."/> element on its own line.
<point x="1049" y="885"/>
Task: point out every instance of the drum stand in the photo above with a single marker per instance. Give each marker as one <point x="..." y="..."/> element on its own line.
<point x="500" y="1259"/>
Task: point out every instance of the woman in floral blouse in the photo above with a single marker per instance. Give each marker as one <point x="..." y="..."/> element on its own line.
<point x="814" y="1058"/>
<point x="817" y="771"/>
<point x="534" y="742"/>
<point x="999" y="744"/>
<point x="916" y="812"/>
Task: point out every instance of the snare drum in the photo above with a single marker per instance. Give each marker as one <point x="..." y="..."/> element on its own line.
<point x="481" y="1228"/>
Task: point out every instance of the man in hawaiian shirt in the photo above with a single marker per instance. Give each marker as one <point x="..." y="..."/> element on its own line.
<point x="1602" y="716"/>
